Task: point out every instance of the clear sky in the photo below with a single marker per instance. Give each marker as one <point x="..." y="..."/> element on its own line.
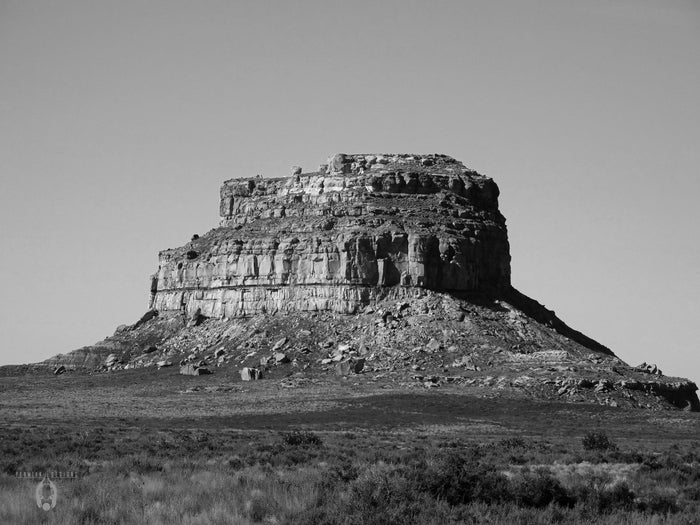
<point x="119" y="120"/>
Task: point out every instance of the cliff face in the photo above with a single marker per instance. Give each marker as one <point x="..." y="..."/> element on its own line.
<point x="359" y="229"/>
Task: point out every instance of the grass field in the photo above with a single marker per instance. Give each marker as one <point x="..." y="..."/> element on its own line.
<point x="155" y="447"/>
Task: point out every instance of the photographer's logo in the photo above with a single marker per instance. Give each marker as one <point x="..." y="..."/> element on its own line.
<point x="46" y="494"/>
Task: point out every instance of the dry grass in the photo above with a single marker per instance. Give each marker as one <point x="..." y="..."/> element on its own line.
<point x="333" y="452"/>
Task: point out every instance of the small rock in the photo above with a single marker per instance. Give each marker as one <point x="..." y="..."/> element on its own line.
<point x="279" y="344"/>
<point x="162" y="364"/>
<point x="60" y="370"/>
<point x="433" y="345"/>
<point x="281" y="358"/>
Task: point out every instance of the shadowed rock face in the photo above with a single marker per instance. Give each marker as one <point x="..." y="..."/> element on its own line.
<point x="360" y="228"/>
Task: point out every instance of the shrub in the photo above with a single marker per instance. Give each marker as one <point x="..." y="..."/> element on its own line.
<point x="301" y="439"/>
<point x="597" y="441"/>
<point x="538" y="490"/>
<point x="456" y="479"/>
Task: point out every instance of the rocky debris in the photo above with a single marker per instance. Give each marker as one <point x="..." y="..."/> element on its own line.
<point x="150" y="314"/>
<point x="465" y="362"/>
<point x="602" y="386"/>
<point x="251" y="374"/>
<point x="112" y="359"/>
<point x="649" y="369"/>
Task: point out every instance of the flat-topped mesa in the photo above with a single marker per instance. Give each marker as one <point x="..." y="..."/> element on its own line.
<point x="361" y="228"/>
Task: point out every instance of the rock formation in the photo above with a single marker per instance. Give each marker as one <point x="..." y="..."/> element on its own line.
<point x="394" y="265"/>
<point x="365" y="227"/>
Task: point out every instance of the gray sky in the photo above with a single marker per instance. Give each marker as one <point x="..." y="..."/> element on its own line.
<point x="119" y="120"/>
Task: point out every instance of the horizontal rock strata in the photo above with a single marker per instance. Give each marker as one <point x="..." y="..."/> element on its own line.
<point x="359" y="229"/>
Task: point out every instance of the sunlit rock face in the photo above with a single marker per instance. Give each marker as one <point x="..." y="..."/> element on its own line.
<point x="361" y="228"/>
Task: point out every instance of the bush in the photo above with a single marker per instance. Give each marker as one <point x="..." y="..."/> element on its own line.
<point x="458" y="480"/>
<point x="539" y="490"/>
<point x="597" y="441"/>
<point x="301" y="439"/>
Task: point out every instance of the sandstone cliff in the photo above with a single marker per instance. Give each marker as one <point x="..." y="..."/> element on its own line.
<point x="339" y="238"/>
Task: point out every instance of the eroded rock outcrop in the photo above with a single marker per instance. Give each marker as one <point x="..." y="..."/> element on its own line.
<point x="366" y="227"/>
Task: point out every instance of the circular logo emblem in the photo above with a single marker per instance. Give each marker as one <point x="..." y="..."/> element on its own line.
<point x="46" y="494"/>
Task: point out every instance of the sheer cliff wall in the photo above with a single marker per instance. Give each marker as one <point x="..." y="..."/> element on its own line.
<point x="362" y="227"/>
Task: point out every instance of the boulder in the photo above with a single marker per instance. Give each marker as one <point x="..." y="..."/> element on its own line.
<point x="194" y="370"/>
<point x="188" y="370"/>
<point x="122" y="328"/>
<point x="251" y="374"/>
<point x="338" y="163"/>
<point x="60" y="370"/>
<point x="163" y="364"/>
<point x="349" y="366"/>
<point x="281" y="358"/>
<point x="197" y="318"/>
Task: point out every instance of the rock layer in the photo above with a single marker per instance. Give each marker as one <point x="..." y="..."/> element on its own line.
<point x="360" y="229"/>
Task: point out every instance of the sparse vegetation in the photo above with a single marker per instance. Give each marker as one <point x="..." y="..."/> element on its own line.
<point x="597" y="441"/>
<point x="301" y="439"/>
<point x="299" y="477"/>
<point x="336" y="453"/>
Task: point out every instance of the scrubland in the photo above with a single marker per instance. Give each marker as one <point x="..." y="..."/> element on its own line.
<point x="375" y="457"/>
